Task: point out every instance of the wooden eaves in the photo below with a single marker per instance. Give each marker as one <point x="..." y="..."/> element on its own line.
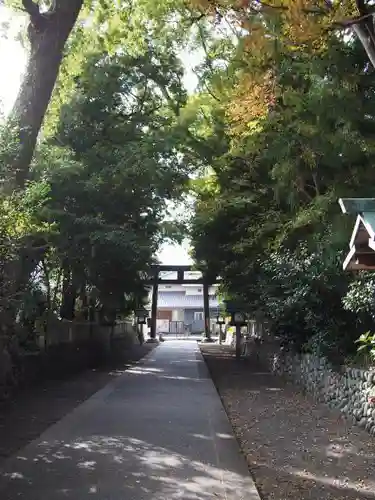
<point x="361" y="254"/>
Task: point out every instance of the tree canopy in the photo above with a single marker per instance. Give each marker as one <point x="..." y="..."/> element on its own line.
<point x="298" y="133"/>
<point x="104" y="135"/>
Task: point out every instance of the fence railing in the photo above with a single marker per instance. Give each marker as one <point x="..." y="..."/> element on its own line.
<point x="176" y="327"/>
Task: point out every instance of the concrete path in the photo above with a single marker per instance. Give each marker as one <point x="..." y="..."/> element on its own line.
<point x="158" y="432"/>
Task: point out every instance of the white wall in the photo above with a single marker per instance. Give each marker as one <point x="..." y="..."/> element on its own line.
<point x="162" y="325"/>
<point x="171" y="288"/>
<point x="178" y="315"/>
<point x="194" y="290"/>
<point x="188" y="289"/>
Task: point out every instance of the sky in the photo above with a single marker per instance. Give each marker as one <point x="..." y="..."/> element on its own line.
<point x="12" y="62"/>
<point x="13" y="59"/>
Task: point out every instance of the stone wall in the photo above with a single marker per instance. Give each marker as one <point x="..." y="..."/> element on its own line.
<point x="349" y="390"/>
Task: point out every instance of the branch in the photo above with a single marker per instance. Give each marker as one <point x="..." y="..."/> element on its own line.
<point x="204" y="83"/>
<point x="31" y="7"/>
<point x="351" y="22"/>
<point x="267" y="5"/>
<point x="208" y="61"/>
<point x="194" y="19"/>
<point x="316" y="184"/>
<point x="33" y="10"/>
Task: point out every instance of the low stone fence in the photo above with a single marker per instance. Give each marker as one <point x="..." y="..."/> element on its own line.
<point x="68" y="347"/>
<point x="125" y="331"/>
<point x="350" y="390"/>
<point x="62" y="332"/>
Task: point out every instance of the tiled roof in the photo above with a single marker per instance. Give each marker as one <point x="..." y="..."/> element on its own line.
<point x="178" y="301"/>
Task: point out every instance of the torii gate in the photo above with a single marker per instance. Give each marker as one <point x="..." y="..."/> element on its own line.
<point x="155" y="280"/>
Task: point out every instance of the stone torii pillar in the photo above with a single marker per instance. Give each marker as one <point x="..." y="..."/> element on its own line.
<point x="206" y="305"/>
<point x="154" y="307"/>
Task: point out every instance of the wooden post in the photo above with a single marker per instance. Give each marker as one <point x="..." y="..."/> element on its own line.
<point x="206" y="305"/>
<point x="92" y="300"/>
<point x="180" y="276"/>
<point x="154" y="306"/>
<point x="141" y="337"/>
<point x="238" y="341"/>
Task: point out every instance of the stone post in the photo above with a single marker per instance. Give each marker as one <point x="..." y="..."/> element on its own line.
<point x="154" y="307"/>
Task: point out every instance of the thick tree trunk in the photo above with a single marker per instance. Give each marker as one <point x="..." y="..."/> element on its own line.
<point x="364" y="28"/>
<point x="48" y="33"/>
<point x="367" y="42"/>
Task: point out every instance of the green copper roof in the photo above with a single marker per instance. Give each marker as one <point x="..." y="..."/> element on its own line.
<point x="357" y="205"/>
<point x="369" y="218"/>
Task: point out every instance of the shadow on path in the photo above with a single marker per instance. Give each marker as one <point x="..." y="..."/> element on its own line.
<point x="32" y="411"/>
<point x="157" y="432"/>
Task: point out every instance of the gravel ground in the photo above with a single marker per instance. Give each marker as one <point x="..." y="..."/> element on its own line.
<point x="295" y="448"/>
<point x="31" y="412"/>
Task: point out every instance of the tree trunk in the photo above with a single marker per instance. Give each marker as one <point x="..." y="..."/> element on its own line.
<point x="69" y="293"/>
<point x="15" y="276"/>
<point x="367" y="42"/>
<point x="48" y="33"/>
<point x="238" y="341"/>
<point x="364" y="28"/>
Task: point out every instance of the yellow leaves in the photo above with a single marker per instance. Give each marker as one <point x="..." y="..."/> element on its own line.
<point x="307" y="23"/>
<point x="309" y="156"/>
<point x="16" y="221"/>
<point x="251" y="101"/>
<point x="300" y="27"/>
<point x="210" y="6"/>
<point x="207" y="184"/>
<point x="259" y="41"/>
<point x="344" y="11"/>
<point x="203" y="5"/>
<point x="299" y="24"/>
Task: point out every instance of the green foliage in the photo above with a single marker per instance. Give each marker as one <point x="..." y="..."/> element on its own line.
<point x="367" y="341"/>
<point x="361" y="295"/>
<point x="273" y="136"/>
<point x="111" y="166"/>
<point x="367" y="344"/>
<point x="267" y="221"/>
<point x="110" y="158"/>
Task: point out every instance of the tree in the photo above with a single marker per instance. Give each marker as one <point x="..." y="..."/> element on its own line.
<point x="298" y="23"/>
<point x="111" y="25"/>
<point x="105" y="196"/>
<point x="81" y="231"/>
<point x="47" y="32"/>
<point x="267" y="220"/>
